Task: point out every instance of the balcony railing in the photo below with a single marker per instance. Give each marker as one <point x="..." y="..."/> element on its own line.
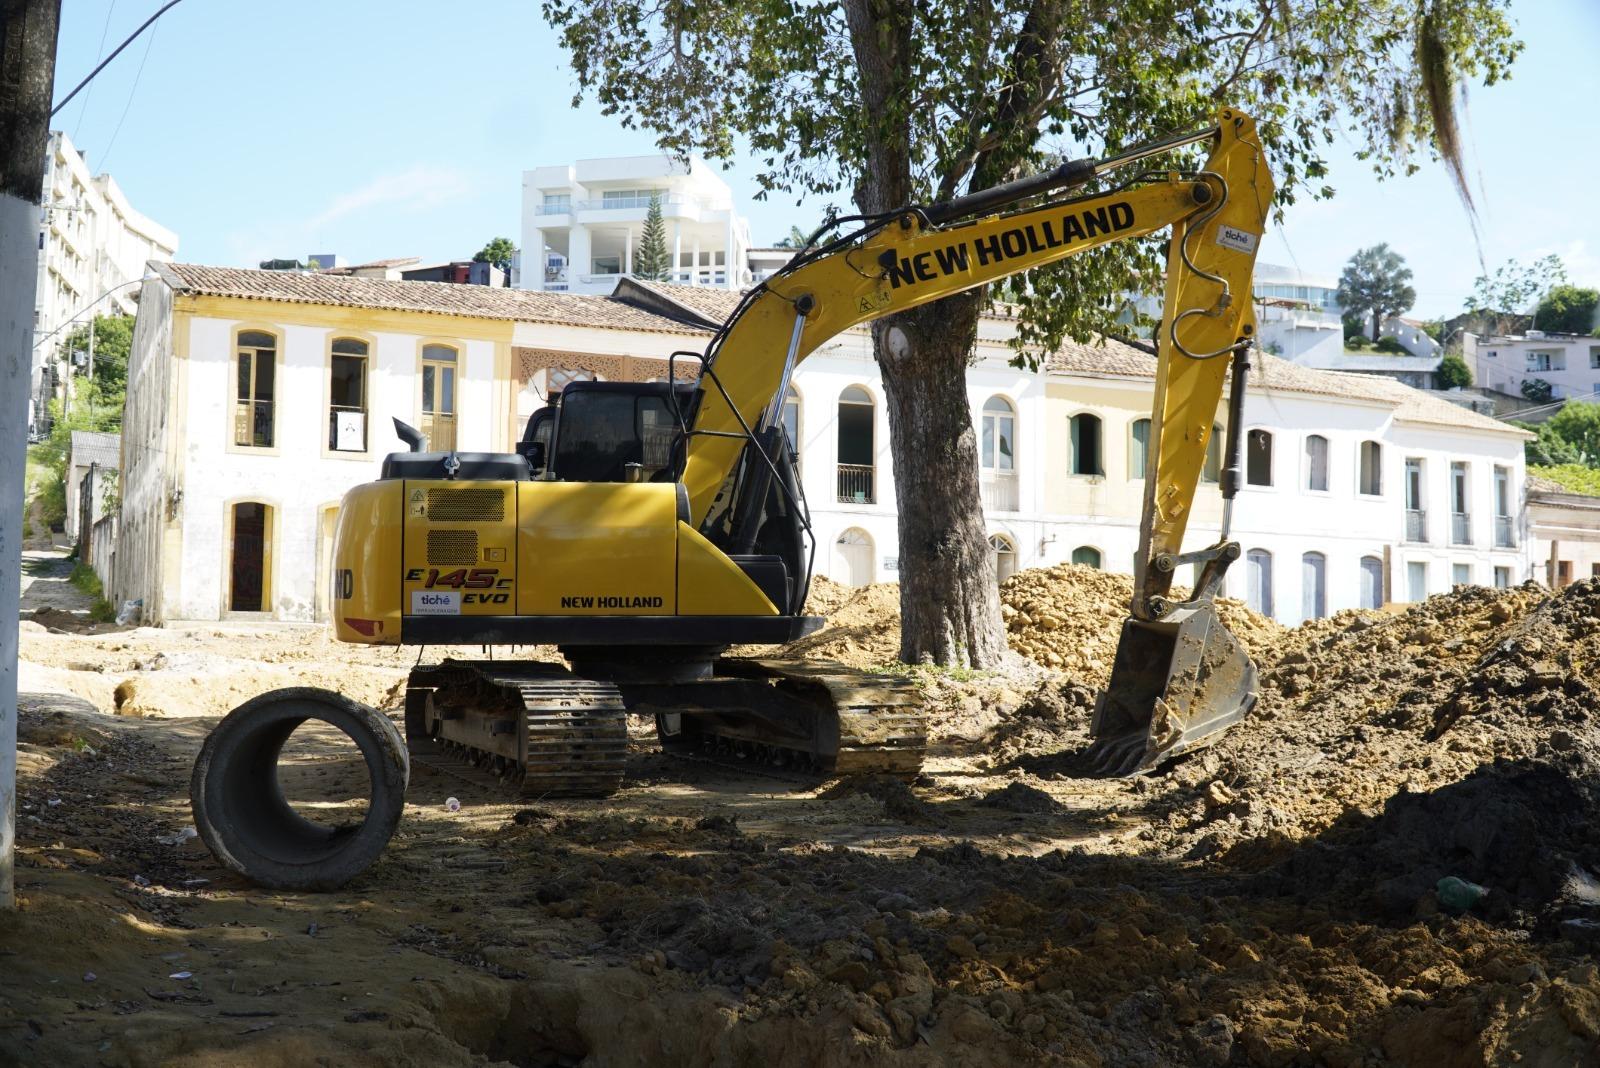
<point x="252" y="423"/>
<point x="1416" y="524"/>
<point x="1505" y="537"/>
<point x="855" y="484"/>
<point x="1460" y="528"/>
<point x="999" y="491"/>
<point x="552" y="209"/>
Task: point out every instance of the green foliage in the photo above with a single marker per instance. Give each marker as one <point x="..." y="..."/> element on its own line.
<point x="1434" y="328"/>
<point x="1567" y="309"/>
<point x="796" y="239"/>
<point x="1453" y="373"/>
<point x="497" y="252"/>
<point x="1357" y="342"/>
<point x="651" y="260"/>
<point x="1390" y="345"/>
<point x="95" y="405"/>
<point x="1573" y="477"/>
<point x="1537" y="390"/>
<point x="84" y="578"/>
<point x="1578" y="424"/>
<point x="1376" y="283"/>
<point x="889" y="104"/>
<point x="1505" y="296"/>
<point x="1353" y="324"/>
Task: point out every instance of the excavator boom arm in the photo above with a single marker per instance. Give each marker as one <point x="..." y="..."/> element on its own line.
<point x="1217" y="216"/>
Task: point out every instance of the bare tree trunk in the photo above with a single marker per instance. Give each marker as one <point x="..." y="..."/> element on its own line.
<point x="949" y="602"/>
<point x="27" y="70"/>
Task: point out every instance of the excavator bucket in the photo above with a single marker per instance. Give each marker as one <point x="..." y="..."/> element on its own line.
<point x="1175" y="686"/>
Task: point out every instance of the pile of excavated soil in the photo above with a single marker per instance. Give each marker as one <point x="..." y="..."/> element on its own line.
<point x="1069" y="618"/>
<point x="1389" y="751"/>
<point x="1066" y="618"/>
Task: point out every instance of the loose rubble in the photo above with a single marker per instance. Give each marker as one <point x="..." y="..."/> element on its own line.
<point x="1303" y="892"/>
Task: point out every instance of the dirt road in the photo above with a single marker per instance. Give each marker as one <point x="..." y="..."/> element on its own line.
<point x="1270" y="902"/>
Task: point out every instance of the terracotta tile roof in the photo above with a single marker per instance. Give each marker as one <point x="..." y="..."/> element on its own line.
<point x="438" y="298"/>
<point x="1269" y="373"/>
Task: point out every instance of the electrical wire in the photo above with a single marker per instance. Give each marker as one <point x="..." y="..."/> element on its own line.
<point x="98" y="52"/>
<point x="168" y="6"/>
<point x="148" y="44"/>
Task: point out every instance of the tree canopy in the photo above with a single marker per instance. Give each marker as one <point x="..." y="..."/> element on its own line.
<point x="1376" y="282"/>
<point x="1453" y="373"/>
<point x="960" y="98"/>
<point x="1509" y="293"/>
<point x="498" y="252"/>
<point x="796" y="239"/>
<point x="1567" y="309"/>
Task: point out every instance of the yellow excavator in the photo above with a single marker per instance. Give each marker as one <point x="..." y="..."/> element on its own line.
<point x="644" y="528"/>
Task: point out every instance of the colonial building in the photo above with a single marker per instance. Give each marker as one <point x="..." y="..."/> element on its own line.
<point x="1563" y="533"/>
<point x="257" y="398"/>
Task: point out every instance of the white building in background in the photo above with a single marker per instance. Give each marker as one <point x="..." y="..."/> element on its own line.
<point x="91" y="241"/>
<point x="1569" y="362"/>
<point x="256" y="399"/>
<point x="1298" y="314"/>
<point x="581" y="224"/>
<point x="1563" y="533"/>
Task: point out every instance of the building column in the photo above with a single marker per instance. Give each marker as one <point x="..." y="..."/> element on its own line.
<point x="578" y="256"/>
<point x="728" y="279"/>
<point x="694" y="277"/>
<point x="677" y="249"/>
<point x="627" y="251"/>
<point x="533" y="260"/>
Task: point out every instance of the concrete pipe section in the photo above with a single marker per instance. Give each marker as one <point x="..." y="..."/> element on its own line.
<point x="250" y="826"/>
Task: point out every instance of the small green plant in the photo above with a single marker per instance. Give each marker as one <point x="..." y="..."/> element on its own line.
<point x="1391" y="345"/>
<point x="1357" y="342"/>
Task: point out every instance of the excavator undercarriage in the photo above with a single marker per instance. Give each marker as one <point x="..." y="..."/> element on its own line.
<point x="547" y="732"/>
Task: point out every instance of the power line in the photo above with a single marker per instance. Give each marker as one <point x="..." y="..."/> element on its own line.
<point x="149" y="43"/>
<point x="170" y="4"/>
<point x="98" y="52"/>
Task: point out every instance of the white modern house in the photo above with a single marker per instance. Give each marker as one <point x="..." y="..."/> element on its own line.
<point x="92" y="244"/>
<point x="582" y="222"/>
<point x="256" y="399"/>
<point x="1570" y="363"/>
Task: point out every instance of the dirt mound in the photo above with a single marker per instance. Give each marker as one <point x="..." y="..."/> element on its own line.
<point x="863" y="624"/>
<point x="1069" y="618"/>
<point x="1364" y="707"/>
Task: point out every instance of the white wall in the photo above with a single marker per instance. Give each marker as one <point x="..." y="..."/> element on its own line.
<point x="299" y="481"/>
<point x="1501" y="364"/>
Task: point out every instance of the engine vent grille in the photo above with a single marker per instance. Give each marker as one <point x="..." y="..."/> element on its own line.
<point x="466" y="505"/>
<point x="452" y="547"/>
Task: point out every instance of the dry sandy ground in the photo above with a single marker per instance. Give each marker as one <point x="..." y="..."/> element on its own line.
<point x="1269" y="902"/>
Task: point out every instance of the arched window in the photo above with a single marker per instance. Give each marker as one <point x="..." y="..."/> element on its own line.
<point x="1313" y="586"/>
<point x="854" y="557"/>
<point x="856" y="451"/>
<point x="1371" y="480"/>
<point x="1258" y="458"/>
<point x="1087" y="555"/>
<point x="255" y="389"/>
<point x="1139" y="450"/>
<point x="1005" y="556"/>
<point x="1212" y="471"/>
<point x="1258" y="571"/>
<point x="439" y="396"/>
<point x="1086" y="445"/>
<point x="999" y="434"/>
<point x="347" y="395"/>
<point x="1316" y="463"/>
<point x="1371" y="582"/>
<point x="997" y="455"/>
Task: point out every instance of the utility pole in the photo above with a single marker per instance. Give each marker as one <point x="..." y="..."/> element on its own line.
<point x="27" y="72"/>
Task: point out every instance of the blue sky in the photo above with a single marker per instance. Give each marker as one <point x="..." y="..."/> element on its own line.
<point x="398" y="128"/>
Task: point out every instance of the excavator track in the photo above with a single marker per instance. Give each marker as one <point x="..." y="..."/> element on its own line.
<point x="834" y="720"/>
<point x="543" y="731"/>
<point x="533" y="727"/>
